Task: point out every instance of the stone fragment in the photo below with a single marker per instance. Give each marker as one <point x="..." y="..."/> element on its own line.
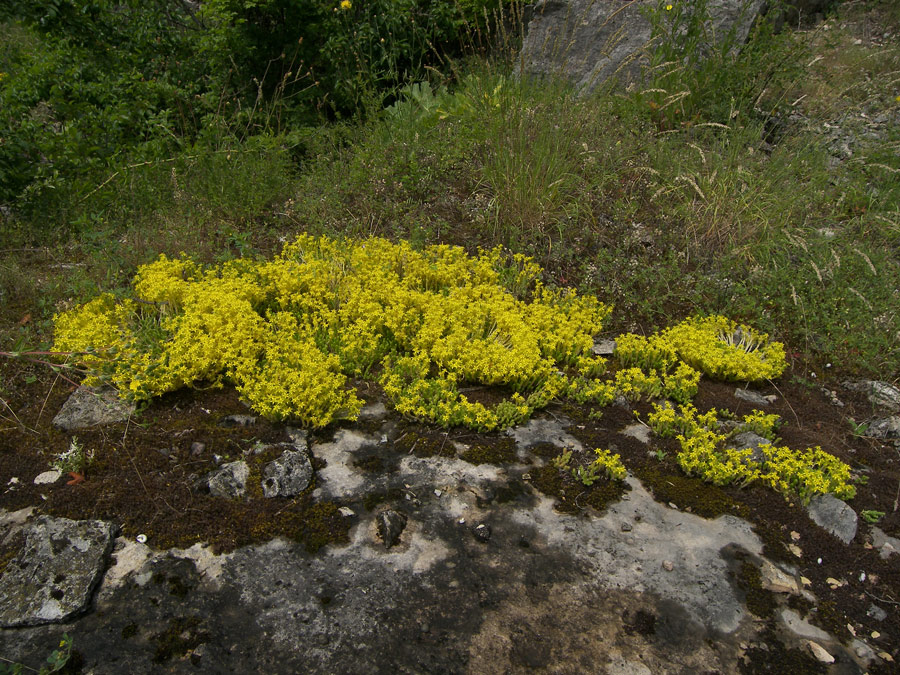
<point x="54" y="575"/>
<point x="833" y="515"/>
<point x="390" y="525"/>
<point x="862" y="650"/>
<point x="299" y="437"/>
<point x="800" y="626"/>
<point x="626" y="527"/>
<point x="346" y="512"/>
<point x="604" y="347"/>
<point x="876" y="612"/>
<point x="229" y="480"/>
<point x="287" y="476"/>
<point x="88" y="407"/>
<point x="750" y="396"/>
<point x="638" y="431"/>
<point x="777" y="580"/>
<point x="197" y="448"/>
<point x="47" y="477"/>
<point x="372" y="411"/>
<point x="482" y="532"/>
<point x="668" y="565"/>
<point x="888" y="545"/>
<point x="237" y="421"/>
<point x="819" y="652"/>
<point x="887" y="428"/>
<point x="748" y="440"/>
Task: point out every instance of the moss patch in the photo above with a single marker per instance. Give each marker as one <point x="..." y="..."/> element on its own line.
<point x="500" y="451"/>
<point x="760" y="602"/>
<point x="572" y="496"/>
<point x="702" y="498"/>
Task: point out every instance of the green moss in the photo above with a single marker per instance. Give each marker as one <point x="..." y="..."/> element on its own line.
<point x="760" y="602"/>
<point x="323" y="524"/>
<point x="702" y="498"/>
<point x="422" y="445"/>
<point x="544" y="450"/>
<point x="770" y="655"/>
<point x="500" y="451"/>
<point x="572" y="496"/>
<point x="129" y="631"/>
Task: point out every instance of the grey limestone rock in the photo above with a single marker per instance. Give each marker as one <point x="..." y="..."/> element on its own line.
<point x="590" y="41"/>
<point x="878" y="393"/>
<point x="287" y="476"/>
<point x="833" y="515"/>
<point x="88" y="407"/>
<point x="54" y="575"/>
<point x="750" y="396"/>
<point x="229" y="480"/>
<point x="886" y="428"/>
<point x="752" y="441"/>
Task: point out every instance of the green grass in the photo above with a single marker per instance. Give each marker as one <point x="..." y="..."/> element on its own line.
<point x="756" y="219"/>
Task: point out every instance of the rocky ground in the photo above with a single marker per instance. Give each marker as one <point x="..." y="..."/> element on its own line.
<point x="203" y="539"/>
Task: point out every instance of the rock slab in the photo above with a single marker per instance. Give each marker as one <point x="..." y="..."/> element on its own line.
<point x="55" y="574"/>
<point x="88" y="407"/>
<point x="834" y="515"/>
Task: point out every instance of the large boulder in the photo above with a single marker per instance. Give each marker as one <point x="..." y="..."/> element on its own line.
<point x="56" y="571"/>
<point x="590" y="41"/>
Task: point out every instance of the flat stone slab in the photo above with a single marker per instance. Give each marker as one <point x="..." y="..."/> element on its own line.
<point x="54" y="575"/>
<point x="834" y="515"/>
<point x="287" y="476"/>
<point x="88" y="407"/>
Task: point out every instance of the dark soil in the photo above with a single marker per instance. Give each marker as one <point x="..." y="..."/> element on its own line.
<point x="146" y="472"/>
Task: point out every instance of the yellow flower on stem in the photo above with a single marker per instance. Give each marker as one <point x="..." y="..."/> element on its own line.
<point x="346" y="4"/>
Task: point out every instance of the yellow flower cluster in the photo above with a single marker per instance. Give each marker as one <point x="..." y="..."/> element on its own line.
<point x="288" y="332"/>
<point x="721" y="348"/>
<point x="703" y="453"/>
<point x="610" y="464"/>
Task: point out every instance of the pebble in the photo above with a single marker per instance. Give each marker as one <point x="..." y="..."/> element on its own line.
<point x="819" y="652"/>
<point x="482" y="532"/>
<point x="626" y="527"/>
<point x="668" y="565"/>
<point x="47" y="477"/>
<point x="347" y="512"/>
<point x="197" y="448"/>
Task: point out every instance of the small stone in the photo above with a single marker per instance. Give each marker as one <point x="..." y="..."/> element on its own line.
<point x="668" y="565"/>
<point x="795" y="536"/>
<point x="876" y="612"/>
<point x="875" y="635"/>
<point x="626" y="527"/>
<point x="47" y="477"/>
<point x="287" y="476"/>
<point x="390" y="525"/>
<point x="438" y="493"/>
<point x="834" y="583"/>
<point x="672" y="505"/>
<point x="347" y="512"/>
<point x="229" y="480"/>
<point x="604" y="347"/>
<point x="750" y="396"/>
<point x="237" y="421"/>
<point x="796" y="550"/>
<point x="805" y="581"/>
<point x="482" y="532"/>
<point x="851" y="629"/>
<point x="819" y="652"/>
<point x="884" y="656"/>
<point x="887" y="428"/>
<point x="197" y="448"/>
